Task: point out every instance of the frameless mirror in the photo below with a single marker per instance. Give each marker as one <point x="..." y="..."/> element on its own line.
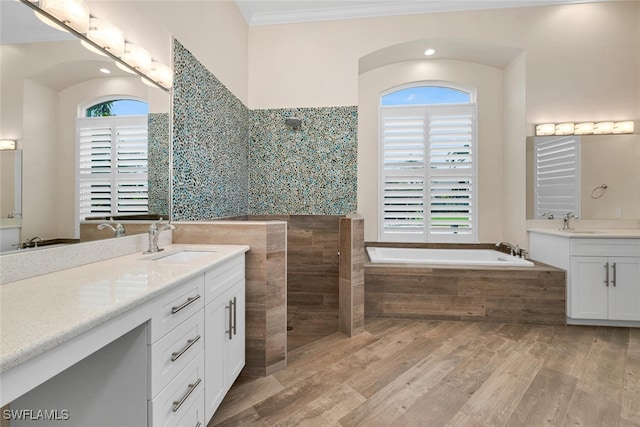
<point x="605" y="181"/>
<point x="48" y="80"/>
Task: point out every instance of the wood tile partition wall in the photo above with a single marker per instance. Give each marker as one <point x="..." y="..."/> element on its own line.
<point x="266" y="277"/>
<point x="313" y="243"/>
<point x="351" y="277"/>
<point x="89" y="231"/>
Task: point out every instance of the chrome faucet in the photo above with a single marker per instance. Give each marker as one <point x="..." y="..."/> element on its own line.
<point x="118" y="230"/>
<point x="32" y="241"/>
<point x="154" y="232"/>
<point x="566" y="219"/>
<point x="514" y="250"/>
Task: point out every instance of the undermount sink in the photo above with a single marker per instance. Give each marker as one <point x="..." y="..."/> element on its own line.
<point x="181" y="257"/>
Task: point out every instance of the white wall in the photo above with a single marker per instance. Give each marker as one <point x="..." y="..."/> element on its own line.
<point x="578" y="62"/>
<point x="488" y="84"/>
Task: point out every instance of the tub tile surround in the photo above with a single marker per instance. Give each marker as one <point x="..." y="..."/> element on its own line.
<point x="266" y="280"/>
<point x="509" y="294"/>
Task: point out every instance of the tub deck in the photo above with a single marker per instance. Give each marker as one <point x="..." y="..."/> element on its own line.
<point x="534" y="295"/>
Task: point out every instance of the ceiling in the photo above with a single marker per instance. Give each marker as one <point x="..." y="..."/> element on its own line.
<point x="269" y="12"/>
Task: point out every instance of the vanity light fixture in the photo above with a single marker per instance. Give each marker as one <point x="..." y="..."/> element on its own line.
<point x="107" y="35"/>
<point x="586" y="128"/>
<point x="7" y="144"/>
<point x="106" y="40"/>
<point x="565" y="129"/>
<point x="161" y="74"/>
<point x="546" y="129"/>
<point x="73" y="13"/>
<point x="137" y="57"/>
<point x="623" y="127"/>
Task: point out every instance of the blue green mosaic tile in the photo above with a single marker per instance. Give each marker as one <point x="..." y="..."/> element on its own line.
<point x="309" y="171"/>
<point x="159" y="131"/>
<point x="210" y="144"/>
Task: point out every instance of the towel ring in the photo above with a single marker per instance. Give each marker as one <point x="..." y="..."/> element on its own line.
<point x="599" y="191"/>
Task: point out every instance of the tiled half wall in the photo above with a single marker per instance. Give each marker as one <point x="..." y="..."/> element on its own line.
<point x="230" y="161"/>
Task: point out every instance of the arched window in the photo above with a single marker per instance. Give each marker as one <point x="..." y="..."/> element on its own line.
<point x="113" y="158"/>
<point x="428" y="165"/>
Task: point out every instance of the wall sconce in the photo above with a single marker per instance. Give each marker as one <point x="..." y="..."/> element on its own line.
<point x="7" y="144"/>
<point x="73" y="13"/>
<point x="586" y="128"/>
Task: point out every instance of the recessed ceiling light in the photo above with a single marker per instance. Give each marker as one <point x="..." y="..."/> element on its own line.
<point x="105" y="70"/>
<point x="429" y="52"/>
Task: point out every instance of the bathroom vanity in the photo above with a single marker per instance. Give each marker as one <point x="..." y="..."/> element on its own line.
<point x="133" y="340"/>
<point x="603" y="272"/>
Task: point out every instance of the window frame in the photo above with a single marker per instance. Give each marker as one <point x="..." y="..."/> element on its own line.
<point x="427" y="173"/>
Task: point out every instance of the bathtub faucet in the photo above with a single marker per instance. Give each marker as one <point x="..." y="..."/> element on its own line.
<point x="514" y="250"/>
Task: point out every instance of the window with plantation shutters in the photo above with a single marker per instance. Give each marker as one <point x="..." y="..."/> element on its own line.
<point x="113" y="170"/>
<point x="557" y="176"/>
<point x="428" y="173"/>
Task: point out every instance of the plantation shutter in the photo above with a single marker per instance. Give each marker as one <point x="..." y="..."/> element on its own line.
<point x="428" y="173"/>
<point x="452" y="174"/>
<point x="113" y="166"/>
<point x="557" y="177"/>
<point x="402" y="174"/>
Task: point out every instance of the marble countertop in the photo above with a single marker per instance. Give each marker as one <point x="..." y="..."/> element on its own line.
<point x="39" y="313"/>
<point x="592" y="233"/>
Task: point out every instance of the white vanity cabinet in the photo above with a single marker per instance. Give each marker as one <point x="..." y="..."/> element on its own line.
<point x="605" y="287"/>
<point x="176" y="355"/>
<point x="224" y="332"/>
<point x="603" y="274"/>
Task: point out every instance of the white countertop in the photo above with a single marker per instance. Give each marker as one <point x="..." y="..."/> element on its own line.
<point x="592" y="233"/>
<point x="39" y="313"/>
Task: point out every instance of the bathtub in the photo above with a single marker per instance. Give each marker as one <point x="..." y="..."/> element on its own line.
<point x="457" y="257"/>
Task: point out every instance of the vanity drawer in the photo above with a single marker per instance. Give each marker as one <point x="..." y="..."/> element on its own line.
<point x="605" y="247"/>
<point x="219" y="279"/>
<point x="173" y="352"/>
<point x="181" y="397"/>
<point x="176" y="306"/>
<point x="194" y="415"/>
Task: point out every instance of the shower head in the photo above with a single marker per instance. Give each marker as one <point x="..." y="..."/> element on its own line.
<point x="293" y="122"/>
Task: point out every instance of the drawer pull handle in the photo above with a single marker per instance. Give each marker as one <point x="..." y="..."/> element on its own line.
<point x="230" y="331"/>
<point x="606" y="269"/>
<point x="178" y="403"/>
<point x="189" y="300"/>
<point x="199" y="424"/>
<point x="613" y="282"/>
<point x="235" y="309"/>
<point x="177" y="354"/>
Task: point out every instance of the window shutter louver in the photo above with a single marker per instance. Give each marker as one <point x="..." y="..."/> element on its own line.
<point x="113" y="171"/>
<point x="428" y="173"/>
<point x="557" y="178"/>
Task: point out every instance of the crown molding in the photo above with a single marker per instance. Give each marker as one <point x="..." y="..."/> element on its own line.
<point x="314" y="12"/>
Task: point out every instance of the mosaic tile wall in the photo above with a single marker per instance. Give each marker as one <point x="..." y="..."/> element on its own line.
<point x="159" y="179"/>
<point x="229" y="161"/>
<point x="312" y="170"/>
<point x="210" y="144"/>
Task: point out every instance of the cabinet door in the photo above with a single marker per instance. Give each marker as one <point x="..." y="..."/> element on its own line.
<point x="235" y="350"/>
<point x="624" y="297"/>
<point x="216" y="324"/>
<point x="588" y="288"/>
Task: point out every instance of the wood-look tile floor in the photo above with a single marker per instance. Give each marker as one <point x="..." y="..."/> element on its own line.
<point x="448" y="373"/>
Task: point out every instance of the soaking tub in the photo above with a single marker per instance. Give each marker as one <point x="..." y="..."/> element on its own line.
<point x="458" y="257"/>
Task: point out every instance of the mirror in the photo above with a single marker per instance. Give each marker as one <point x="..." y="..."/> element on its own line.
<point x="48" y="78"/>
<point x="608" y="177"/>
